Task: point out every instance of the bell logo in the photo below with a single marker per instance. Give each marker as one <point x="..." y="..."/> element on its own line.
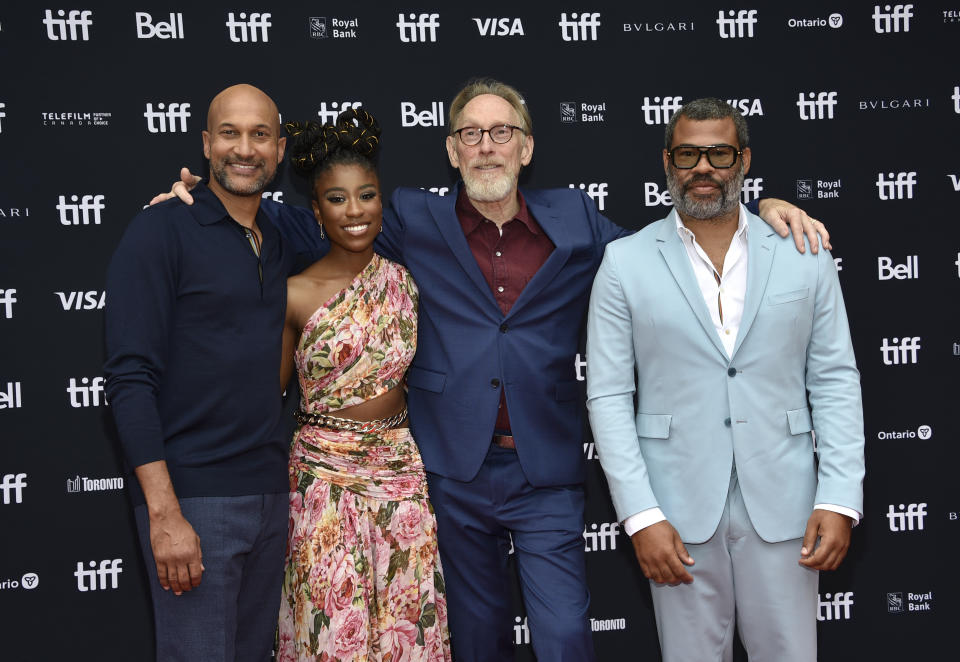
<point x="583" y="28"/>
<point x="88" y="393"/>
<point x="7" y="299"/>
<point x="904" y="352"/>
<point x="907" y="520"/>
<point x="11" y="398"/>
<point x="251" y="29"/>
<point x="896" y="186"/>
<point x="330" y="115"/>
<point x="410" y="117"/>
<point x="165" y="117"/>
<point x="87" y="580"/>
<point x="909" y="270"/>
<point x="420" y="28"/>
<point x="12" y="488"/>
<point x="834" y="608"/>
<point x="739" y="24"/>
<point x="82" y="211"/>
<point x="659" y="112"/>
<point x="597" y="540"/>
<point x="173" y="29"/>
<point x="499" y="27"/>
<point x="892" y="21"/>
<point x="818" y="107"/>
<point x="57" y="28"/>
<point x="597" y="193"/>
<point x="653" y="196"/>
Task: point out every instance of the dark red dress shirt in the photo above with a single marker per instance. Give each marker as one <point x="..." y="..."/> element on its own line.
<point x="507" y="260"/>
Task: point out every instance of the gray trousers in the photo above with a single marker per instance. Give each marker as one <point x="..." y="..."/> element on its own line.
<point x="232" y="615"/>
<point x="740" y="580"/>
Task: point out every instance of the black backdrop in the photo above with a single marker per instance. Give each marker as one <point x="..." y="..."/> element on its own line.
<point x="854" y="110"/>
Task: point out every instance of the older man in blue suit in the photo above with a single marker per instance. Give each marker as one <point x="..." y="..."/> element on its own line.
<point x="709" y="341"/>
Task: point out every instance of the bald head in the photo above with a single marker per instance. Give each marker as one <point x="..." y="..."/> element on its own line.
<point x="245" y="99"/>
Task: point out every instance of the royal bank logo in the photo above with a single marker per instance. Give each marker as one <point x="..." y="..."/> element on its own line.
<point x="579" y="27"/>
<point x="808" y="189"/>
<point x="76" y="119"/>
<point x="894" y="103"/>
<point x="568" y="112"/>
<point x="81" y="210"/>
<point x="914" y="602"/>
<point x="79" y="484"/>
<point x="900" y="351"/>
<point x="147" y="28"/>
<point x="8" y="297"/>
<point x="835" y="607"/>
<point x="573" y="111"/>
<point x="10" y="396"/>
<point x="318" y="27"/>
<point x="339" y="28"/>
<point x="420" y="28"/>
<point x="12" y="487"/>
<point x="892" y="18"/>
<point x="908" y="270"/>
<point x="168" y="117"/>
<point x="906" y="518"/>
<point x="816" y="105"/>
<point x="86" y="392"/>
<point x="600" y="537"/>
<point x="432" y="116"/>
<point x="896" y="186"/>
<point x="83" y="299"/>
<point x="657" y="25"/>
<point x="736" y="24"/>
<point x="747" y="107"/>
<point x="28" y="581"/>
<point x="923" y="432"/>
<point x="660" y="110"/>
<point x="597" y="193"/>
<point x="251" y="28"/>
<point x="72" y="26"/>
<point x="833" y="21"/>
<point x="499" y="27"/>
<point x="102" y="576"/>
<point x="895" y="603"/>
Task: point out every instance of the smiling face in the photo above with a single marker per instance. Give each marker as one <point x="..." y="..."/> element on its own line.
<point x="348" y="205"/>
<point x="242" y="141"/>
<point x="489" y="170"/>
<point x="704" y="192"/>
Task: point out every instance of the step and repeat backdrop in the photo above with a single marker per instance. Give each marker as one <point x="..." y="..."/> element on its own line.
<point x="854" y="110"/>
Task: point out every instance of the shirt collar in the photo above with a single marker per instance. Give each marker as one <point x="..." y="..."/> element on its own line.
<point x="742" y="224"/>
<point x="470" y="217"/>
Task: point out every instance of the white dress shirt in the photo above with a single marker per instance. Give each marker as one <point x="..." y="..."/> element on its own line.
<point x="723" y="293"/>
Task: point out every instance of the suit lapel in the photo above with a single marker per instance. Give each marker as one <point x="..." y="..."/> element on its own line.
<point x="554" y="227"/>
<point x="445" y="216"/>
<point x="673" y="252"/>
<point x="760" y="250"/>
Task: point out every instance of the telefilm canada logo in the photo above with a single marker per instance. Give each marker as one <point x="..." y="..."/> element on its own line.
<point x="28" y="581"/>
<point x="820" y="189"/>
<point x="900" y="603"/>
<point x="76" y="118"/>
<point x="333" y="28"/>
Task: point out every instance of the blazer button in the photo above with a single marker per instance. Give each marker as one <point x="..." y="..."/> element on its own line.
<point x="726" y="422"/>
<point x="732" y="372"/>
<point x="496" y="383"/>
<point x="504" y="327"/>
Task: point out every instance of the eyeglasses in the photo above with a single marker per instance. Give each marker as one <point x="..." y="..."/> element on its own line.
<point x="500" y="134"/>
<point x="688" y="156"/>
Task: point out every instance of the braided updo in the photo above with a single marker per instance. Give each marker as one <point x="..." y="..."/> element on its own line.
<point x="354" y="139"/>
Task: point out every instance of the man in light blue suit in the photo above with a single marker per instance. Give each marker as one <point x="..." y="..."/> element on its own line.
<point x="714" y="350"/>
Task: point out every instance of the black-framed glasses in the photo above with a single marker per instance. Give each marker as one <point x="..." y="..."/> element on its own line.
<point x="688" y="156"/>
<point x="500" y="134"/>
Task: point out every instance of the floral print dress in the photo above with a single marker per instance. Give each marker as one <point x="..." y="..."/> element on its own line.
<point x="362" y="580"/>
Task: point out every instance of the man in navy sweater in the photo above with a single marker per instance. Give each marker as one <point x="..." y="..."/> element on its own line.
<point x="197" y="297"/>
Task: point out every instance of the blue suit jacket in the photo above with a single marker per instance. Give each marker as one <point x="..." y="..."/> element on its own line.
<point x="467" y="350"/>
<point x="698" y="412"/>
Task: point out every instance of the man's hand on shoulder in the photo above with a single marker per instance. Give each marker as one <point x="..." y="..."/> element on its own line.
<point x="785" y="218"/>
<point x="833" y="529"/>
<point x="180" y="189"/>
<point x="662" y="554"/>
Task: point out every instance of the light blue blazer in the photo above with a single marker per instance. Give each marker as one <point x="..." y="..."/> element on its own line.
<point x="699" y="412"/>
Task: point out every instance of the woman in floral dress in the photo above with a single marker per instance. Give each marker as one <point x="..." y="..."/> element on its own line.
<point x="362" y="580"/>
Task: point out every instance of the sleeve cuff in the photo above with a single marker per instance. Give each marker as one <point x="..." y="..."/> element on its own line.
<point x="843" y="510"/>
<point x="642" y="520"/>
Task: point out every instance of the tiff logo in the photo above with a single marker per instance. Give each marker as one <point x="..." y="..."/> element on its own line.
<point x="521" y="631"/>
<point x="818" y="107"/>
<point x="172" y="29"/>
<point x="87" y="579"/>
<point x="57" y="27"/>
<point x="253" y="29"/>
<point x="78" y="213"/>
<point x="88" y="393"/>
<point x="157" y="119"/>
<point x="886" y="21"/>
<point x="597" y="540"/>
<point x="904" y="352"/>
<point x="582" y="29"/>
<point x="740" y="24"/>
<point x="420" y="28"/>
<point x="11" y="399"/>
<point x="897" y="187"/>
<point x="659" y="112"/>
<point x="7" y="299"/>
<point x="752" y="187"/>
<point x="597" y="193"/>
<point x="13" y="483"/>
<point x="330" y="115"/>
<point x="956" y="99"/>
<point x="901" y="520"/>
<point x="836" y="609"/>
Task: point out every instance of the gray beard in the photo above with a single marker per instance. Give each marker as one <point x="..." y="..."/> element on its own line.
<point x="709" y="209"/>
<point x="488" y="191"/>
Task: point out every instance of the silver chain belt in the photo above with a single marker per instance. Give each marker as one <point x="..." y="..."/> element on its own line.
<point x="348" y="424"/>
